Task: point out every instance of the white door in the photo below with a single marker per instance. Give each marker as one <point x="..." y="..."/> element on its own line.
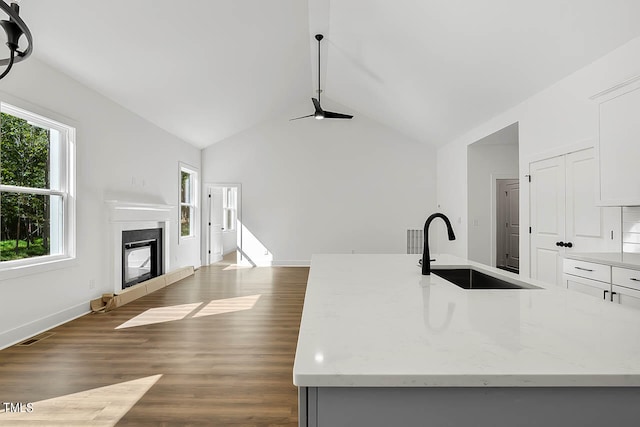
<point x="507" y="223"/>
<point x="512" y="223"/>
<point x="564" y="215"/>
<point x="589" y="228"/>
<point x="215" y="246"/>
<point x="547" y="206"/>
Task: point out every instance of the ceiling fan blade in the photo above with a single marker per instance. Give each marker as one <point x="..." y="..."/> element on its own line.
<point x="316" y="104"/>
<point x="303" y="117"/>
<point x="332" y="115"/>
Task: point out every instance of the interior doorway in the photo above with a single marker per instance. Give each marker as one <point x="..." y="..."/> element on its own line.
<point x="508" y="224"/>
<point x="493" y="157"/>
<point x="223" y="223"/>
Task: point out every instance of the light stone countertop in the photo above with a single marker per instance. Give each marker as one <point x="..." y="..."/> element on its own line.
<point x="617" y="259"/>
<point x="375" y="321"/>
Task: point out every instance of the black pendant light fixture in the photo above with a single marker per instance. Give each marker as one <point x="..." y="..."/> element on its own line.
<point x="14" y="28"/>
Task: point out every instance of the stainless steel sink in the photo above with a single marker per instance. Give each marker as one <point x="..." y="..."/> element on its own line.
<point x="468" y="278"/>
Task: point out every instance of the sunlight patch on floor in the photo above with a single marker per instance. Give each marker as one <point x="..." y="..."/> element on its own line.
<point x="237" y="267"/>
<point x="182" y="311"/>
<point x="228" y="305"/>
<point x="161" y="315"/>
<point x="103" y="406"/>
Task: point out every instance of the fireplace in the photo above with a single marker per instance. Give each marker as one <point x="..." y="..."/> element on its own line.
<point x="123" y="217"/>
<point x="141" y="255"/>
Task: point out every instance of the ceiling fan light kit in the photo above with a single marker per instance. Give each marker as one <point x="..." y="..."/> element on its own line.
<point x="320" y="114"/>
<point x="14" y="29"/>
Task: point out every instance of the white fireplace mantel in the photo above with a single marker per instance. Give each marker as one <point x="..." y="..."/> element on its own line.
<point x="123" y="216"/>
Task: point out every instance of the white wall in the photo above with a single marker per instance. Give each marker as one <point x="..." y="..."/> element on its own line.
<point x="552" y="122"/>
<point x="484" y="163"/>
<point x="119" y="155"/>
<point x="229" y="241"/>
<point x="330" y="186"/>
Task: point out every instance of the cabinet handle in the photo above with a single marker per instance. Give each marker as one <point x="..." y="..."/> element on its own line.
<point x="634" y="279"/>
<point x="604" y="294"/>
<point x="583" y="269"/>
<point x="560" y="244"/>
<point x="568" y="245"/>
<point x="612" y="294"/>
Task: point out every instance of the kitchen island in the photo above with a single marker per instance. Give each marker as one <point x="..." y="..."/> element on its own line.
<point x="382" y="345"/>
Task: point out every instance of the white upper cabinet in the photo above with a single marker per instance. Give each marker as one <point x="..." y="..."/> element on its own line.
<point x="619" y="144"/>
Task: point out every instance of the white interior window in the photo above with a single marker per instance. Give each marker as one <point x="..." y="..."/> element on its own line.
<point x="188" y="201"/>
<point x="229" y="208"/>
<point x="37" y="200"/>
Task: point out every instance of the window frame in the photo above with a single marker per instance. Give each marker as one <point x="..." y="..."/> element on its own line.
<point x="193" y="204"/>
<point x="227" y="209"/>
<point x="66" y="190"/>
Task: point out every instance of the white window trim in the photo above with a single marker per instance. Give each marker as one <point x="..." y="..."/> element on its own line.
<point x="41" y="264"/>
<point x="183" y="167"/>
<point x="234" y="209"/>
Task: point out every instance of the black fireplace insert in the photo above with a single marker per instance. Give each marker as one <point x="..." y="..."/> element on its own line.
<point x="141" y="255"/>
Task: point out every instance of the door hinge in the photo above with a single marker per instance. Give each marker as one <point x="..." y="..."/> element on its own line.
<point x="209" y="251"/>
<point x="528" y="177"/>
<point x="529" y="230"/>
<point x="507" y="255"/>
<point x="209" y="224"/>
<point x="209" y="195"/>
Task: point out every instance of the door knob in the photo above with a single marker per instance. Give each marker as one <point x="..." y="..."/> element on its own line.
<point x="564" y="245"/>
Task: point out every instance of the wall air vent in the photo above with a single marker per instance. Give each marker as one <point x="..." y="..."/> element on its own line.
<point x="415" y="241"/>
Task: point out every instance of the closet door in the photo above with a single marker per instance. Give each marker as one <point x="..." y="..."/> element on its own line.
<point x="589" y="228"/>
<point x="547" y="206"/>
<point x="564" y="215"/>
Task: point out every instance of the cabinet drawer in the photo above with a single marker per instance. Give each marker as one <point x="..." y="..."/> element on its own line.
<point x="587" y="286"/>
<point x="626" y="277"/>
<point x="628" y="297"/>
<point x="589" y="270"/>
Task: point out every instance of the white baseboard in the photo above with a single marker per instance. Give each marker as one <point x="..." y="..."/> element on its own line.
<point x="298" y="263"/>
<point x="19" y="334"/>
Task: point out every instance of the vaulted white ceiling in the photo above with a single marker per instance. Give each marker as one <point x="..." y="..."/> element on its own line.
<point x="432" y="69"/>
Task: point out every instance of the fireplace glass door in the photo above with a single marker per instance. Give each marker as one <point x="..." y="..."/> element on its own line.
<point x="138" y="263"/>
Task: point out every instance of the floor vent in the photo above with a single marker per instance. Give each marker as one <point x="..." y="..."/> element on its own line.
<point x="33" y="340"/>
<point x="415" y="239"/>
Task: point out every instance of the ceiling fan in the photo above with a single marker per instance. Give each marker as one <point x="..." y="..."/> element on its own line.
<point x="320" y="113"/>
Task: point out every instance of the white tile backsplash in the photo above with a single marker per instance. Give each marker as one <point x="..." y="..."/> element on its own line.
<point x="631" y="229"/>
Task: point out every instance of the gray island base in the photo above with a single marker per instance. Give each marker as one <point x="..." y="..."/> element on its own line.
<point x="469" y="406"/>
<point x="382" y="345"/>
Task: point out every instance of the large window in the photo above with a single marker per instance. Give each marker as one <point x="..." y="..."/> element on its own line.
<point x="188" y="199"/>
<point x="36" y="188"/>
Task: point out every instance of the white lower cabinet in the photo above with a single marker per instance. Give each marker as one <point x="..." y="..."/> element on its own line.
<point x="588" y="286"/>
<point x="615" y="284"/>
<point x="588" y="270"/>
<point x="587" y="277"/>
<point x="625" y="296"/>
<point x="625" y="286"/>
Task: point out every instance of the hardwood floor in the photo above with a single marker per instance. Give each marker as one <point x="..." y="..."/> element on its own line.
<point x="221" y="363"/>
